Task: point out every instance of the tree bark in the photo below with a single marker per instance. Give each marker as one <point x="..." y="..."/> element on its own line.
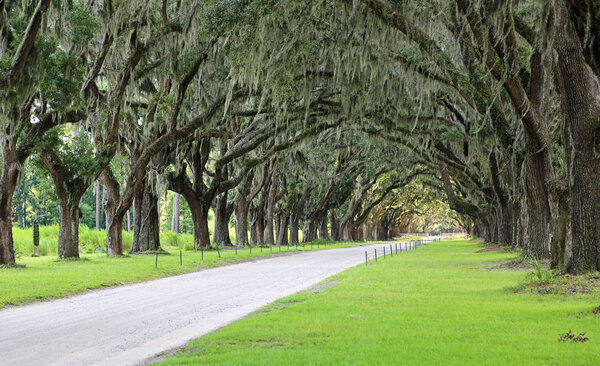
<point x="68" y="233"/>
<point x="8" y="183"/>
<point x="200" y="221"/>
<point x="222" y="214"/>
<point x="69" y="190"/>
<point x="269" y="216"/>
<point x="309" y="231"/>
<point x="128" y="221"/>
<point x="260" y="226"/>
<point x="282" y="233"/>
<point x="580" y="99"/>
<point x="539" y="214"/>
<point x="346" y="230"/>
<point x="114" y="220"/>
<point x="7" y="255"/>
<point x="241" y="222"/>
<point x="253" y="234"/>
<point x="98" y="205"/>
<point x="175" y="216"/>
<point x="114" y="234"/>
<point x="335" y="226"/>
<point x="294" y="238"/>
<point x="323" y="230"/>
<point x="145" y="221"/>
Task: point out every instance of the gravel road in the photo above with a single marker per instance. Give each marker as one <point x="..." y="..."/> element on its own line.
<point x="130" y="324"/>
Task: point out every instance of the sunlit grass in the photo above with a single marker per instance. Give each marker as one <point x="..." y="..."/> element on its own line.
<point x="438" y="305"/>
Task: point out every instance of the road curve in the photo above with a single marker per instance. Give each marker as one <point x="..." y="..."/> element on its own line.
<point x="129" y="324"/>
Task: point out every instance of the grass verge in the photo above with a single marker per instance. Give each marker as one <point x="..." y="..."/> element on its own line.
<point x="438" y="305"/>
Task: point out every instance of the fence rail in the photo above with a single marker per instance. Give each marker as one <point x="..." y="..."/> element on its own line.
<point x="385" y="249"/>
<point x="391" y="249"/>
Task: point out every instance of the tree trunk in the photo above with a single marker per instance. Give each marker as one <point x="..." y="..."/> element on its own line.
<point x="241" y="222"/>
<point x="580" y="99"/>
<point x="104" y="200"/>
<point x="268" y="230"/>
<point x="175" y="216"/>
<point x="8" y="183"/>
<point x="114" y="234"/>
<point x="114" y="219"/>
<point x="335" y="226"/>
<point x="145" y="221"/>
<point x="260" y="226"/>
<point x="7" y="254"/>
<point x="323" y="230"/>
<point x="128" y="211"/>
<point x="562" y="230"/>
<point x="98" y="205"/>
<point x="68" y="232"/>
<point x="221" y="234"/>
<point x="253" y="235"/>
<point x="539" y="213"/>
<point x="277" y="226"/>
<point x="128" y="221"/>
<point x="200" y="222"/>
<point x="294" y="239"/>
<point x="505" y="224"/>
<point x="309" y="230"/>
<point x="346" y="229"/>
<point x="282" y="234"/>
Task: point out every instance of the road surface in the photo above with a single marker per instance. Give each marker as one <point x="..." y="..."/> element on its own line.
<point x="129" y="324"/>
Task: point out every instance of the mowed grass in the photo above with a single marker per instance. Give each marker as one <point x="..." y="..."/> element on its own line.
<point x="47" y="277"/>
<point x="437" y="305"/>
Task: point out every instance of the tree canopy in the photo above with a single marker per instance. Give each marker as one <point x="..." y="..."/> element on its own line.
<point x="343" y="118"/>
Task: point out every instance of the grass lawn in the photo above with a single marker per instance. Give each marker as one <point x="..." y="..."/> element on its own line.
<point x="437" y="305"/>
<point x="47" y="277"/>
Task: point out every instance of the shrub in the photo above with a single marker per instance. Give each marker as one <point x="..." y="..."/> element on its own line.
<point x="539" y="273"/>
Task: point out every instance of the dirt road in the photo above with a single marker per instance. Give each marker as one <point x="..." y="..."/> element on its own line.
<point x="129" y="324"/>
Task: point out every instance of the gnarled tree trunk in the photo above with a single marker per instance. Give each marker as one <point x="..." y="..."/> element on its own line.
<point x="222" y="214"/>
<point x="146" y="225"/>
<point x="580" y="97"/>
<point x="114" y="219"/>
<point x="200" y="221"/>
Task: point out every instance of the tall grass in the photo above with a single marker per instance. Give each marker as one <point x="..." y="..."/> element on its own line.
<point x="181" y="241"/>
<point x="90" y="240"/>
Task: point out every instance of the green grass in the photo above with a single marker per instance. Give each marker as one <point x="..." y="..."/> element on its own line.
<point x="90" y="240"/>
<point x="438" y="305"/>
<point x="47" y="277"/>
